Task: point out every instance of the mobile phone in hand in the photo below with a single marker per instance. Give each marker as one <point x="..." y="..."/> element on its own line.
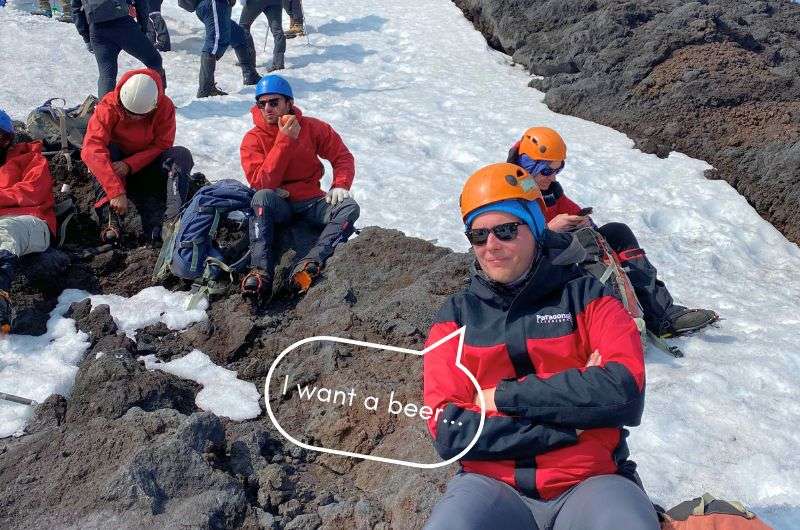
<point x="585" y="211"/>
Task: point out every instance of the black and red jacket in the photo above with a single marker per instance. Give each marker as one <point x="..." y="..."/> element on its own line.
<point x="533" y="344"/>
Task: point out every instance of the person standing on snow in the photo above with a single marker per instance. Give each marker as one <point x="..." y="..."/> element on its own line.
<point x="27" y="214"/>
<point x="561" y="368"/>
<point x="281" y="160"/>
<point x="221" y="32"/>
<point x="542" y="152"/>
<point x="272" y="10"/>
<point x="108" y="27"/>
<point x="128" y="148"/>
<point x="294" y="8"/>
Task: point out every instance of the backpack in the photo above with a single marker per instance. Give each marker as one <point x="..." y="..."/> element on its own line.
<point x="710" y="513"/>
<point x="603" y="264"/>
<point x="190" y="250"/>
<point x="61" y="130"/>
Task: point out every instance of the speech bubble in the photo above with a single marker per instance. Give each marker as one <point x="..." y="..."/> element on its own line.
<point x="324" y="338"/>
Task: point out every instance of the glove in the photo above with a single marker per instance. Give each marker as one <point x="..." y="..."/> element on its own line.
<point x="337" y="195"/>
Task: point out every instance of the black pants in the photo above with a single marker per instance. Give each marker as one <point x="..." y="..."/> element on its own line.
<point x="108" y="39"/>
<point x="653" y="295"/>
<point x="274" y="15"/>
<point x="158" y="191"/>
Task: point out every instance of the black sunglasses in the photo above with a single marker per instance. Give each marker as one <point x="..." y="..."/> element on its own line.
<point x="272" y="102"/>
<point x="503" y="232"/>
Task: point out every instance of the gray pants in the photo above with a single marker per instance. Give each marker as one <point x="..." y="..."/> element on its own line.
<point x="294" y="8"/>
<point x="274" y="15"/>
<point x="271" y="210"/>
<point x="604" y="502"/>
<point x="23" y="234"/>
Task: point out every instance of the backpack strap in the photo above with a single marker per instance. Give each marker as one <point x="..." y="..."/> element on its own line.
<point x="208" y="286"/>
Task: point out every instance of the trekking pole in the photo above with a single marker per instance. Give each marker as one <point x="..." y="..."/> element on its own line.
<point x="17" y="399"/>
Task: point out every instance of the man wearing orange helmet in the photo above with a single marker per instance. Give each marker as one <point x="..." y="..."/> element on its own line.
<point x="542" y="152"/>
<point x="560" y="364"/>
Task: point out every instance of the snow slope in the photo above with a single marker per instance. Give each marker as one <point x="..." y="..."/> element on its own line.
<point x="421" y="112"/>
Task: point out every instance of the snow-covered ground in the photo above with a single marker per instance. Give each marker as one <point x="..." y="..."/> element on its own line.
<point x="422" y="109"/>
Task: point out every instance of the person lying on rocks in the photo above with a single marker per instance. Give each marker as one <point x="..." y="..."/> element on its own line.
<point x="128" y="148"/>
<point x="561" y="367"/>
<point x="542" y="152"/>
<point x="27" y="214"/>
<point x="281" y="159"/>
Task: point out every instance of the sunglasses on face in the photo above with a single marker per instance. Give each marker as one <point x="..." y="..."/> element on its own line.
<point x="542" y="167"/>
<point x="272" y="102"/>
<point x="503" y="232"/>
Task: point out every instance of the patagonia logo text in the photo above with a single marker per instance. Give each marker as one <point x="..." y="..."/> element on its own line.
<point x="554" y="319"/>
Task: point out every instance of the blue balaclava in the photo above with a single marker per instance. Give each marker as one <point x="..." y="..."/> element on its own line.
<point x="527" y="211"/>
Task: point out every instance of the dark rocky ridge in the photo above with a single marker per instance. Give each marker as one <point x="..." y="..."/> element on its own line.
<point x="128" y="448"/>
<point x="715" y="79"/>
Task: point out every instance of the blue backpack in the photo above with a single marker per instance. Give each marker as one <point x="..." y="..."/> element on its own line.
<point x="190" y="250"/>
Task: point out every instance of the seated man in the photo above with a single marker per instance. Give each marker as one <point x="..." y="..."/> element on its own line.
<point x="561" y="368"/>
<point x="542" y="152"/>
<point x="280" y="158"/>
<point x="129" y="150"/>
<point x="27" y="215"/>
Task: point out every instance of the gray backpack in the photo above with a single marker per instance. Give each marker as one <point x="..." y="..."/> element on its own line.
<point x="60" y="129"/>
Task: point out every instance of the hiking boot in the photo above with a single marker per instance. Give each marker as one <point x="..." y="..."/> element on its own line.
<point x="110" y="228"/>
<point x="296" y="29"/>
<point x="304" y="275"/>
<point x="208" y="87"/>
<point x="257" y="284"/>
<point x="274" y="67"/>
<point x="5" y="313"/>
<point x="688" y="321"/>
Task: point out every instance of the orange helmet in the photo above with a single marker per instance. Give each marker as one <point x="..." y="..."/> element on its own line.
<point x="498" y="182"/>
<point x="543" y="143"/>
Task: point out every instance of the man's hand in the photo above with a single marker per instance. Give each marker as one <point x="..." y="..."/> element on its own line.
<point x="119" y="204"/>
<point x="121" y="169"/>
<point x="289" y="126"/>
<point x="488" y="397"/>
<point x="595" y="359"/>
<point x="565" y="222"/>
<point x="337" y="195"/>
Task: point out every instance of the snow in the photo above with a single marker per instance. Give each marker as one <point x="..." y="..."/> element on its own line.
<point x="222" y="393"/>
<point x="35" y="367"/>
<point x="421" y="112"/>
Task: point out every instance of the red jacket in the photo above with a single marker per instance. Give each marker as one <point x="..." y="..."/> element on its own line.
<point x="141" y="141"/>
<point x="271" y="159"/>
<point x="533" y="344"/>
<point x="26" y="187"/>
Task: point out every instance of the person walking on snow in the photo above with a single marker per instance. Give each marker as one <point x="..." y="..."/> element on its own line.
<point x="542" y="152"/>
<point x="561" y="369"/>
<point x="128" y="148"/>
<point x="272" y="10"/>
<point x="27" y="214"/>
<point x="294" y="8"/>
<point x="281" y="160"/>
<point x="221" y="32"/>
<point x="108" y="27"/>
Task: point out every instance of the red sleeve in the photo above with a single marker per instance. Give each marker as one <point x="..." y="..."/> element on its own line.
<point x="609" y="395"/>
<point x="455" y="420"/>
<point x="33" y="189"/>
<point x="95" y="151"/>
<point x="331" y="147"/>
<point x="265" y="170"/>
<point x="164" y="138"/>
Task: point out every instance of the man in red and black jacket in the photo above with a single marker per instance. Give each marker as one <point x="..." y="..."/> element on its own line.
<point x="281" y="160"/>
<point x="542" y="152"/>
<point x="27" y="215"/>
<point x="561" y="370"/>
<point x="128" y="148"/>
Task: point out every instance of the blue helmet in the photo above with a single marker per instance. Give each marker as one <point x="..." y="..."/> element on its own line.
<point x="273" y="84"/>
<point x="5" y="122"/>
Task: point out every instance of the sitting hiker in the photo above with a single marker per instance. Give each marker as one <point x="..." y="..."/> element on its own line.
<point x="542" y="152"/>
<point x="280" y="160"/>
<point x="561" y="368"/>
<point x="129" y="150"/>
<point x="27" y="216"/>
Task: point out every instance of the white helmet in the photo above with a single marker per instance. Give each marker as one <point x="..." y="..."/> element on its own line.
<point x="139" y="94"/>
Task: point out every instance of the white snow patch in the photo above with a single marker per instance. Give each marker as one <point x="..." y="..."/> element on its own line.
<point x="223" y="393"/>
